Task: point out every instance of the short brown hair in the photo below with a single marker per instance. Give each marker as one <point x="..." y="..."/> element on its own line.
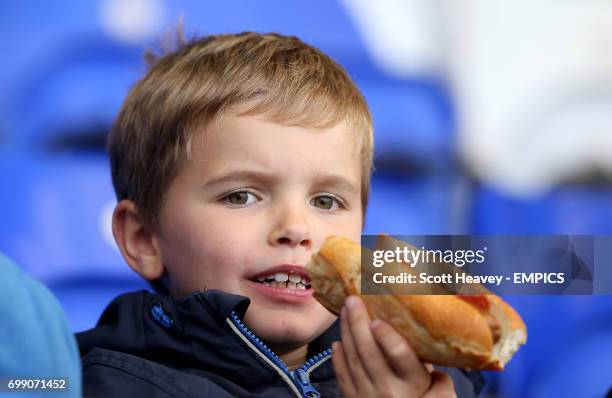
<point x="279" y="76"/>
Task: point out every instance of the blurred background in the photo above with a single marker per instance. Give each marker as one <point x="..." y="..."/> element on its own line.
<point x="491" y="117"/>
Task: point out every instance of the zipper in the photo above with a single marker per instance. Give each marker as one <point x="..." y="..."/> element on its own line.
<point x="298" y="379"/>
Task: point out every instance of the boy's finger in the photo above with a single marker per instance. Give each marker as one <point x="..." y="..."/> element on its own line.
<point x="359" y="376"/>
<point x="374" y="361"/>
<point x="442" y="386"/>
<point x="342" y="371"/>
<point x="400" y="355"/>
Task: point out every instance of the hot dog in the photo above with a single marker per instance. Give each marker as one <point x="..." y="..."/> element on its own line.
<point x="475" y="331"/>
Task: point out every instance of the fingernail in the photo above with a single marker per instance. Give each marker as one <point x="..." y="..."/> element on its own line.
<point x="375" y="323"/>
<point x="351" y="301"/>
<point x="334" y="346"/>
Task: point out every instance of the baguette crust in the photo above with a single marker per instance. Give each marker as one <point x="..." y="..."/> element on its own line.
<point x="442" y="329"/>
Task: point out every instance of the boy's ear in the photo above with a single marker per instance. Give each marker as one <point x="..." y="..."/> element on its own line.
<point x="139" y="246"/>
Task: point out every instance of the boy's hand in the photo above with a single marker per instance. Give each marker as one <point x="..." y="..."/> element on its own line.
<point x="374" y="360"/>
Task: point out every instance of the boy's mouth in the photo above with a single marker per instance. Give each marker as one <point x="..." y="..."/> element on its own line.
<point x="288" y="277"/>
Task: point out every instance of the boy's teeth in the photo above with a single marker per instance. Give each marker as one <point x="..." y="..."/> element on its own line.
<point x="283" y="280"/>
<point x="281" y="277"/>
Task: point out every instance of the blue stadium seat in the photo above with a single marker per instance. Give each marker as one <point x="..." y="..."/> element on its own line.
<point x="553" y="350"/>
<point x="424" y="203"/>
<point x="53" y="168"/>
<point x="569" y="210"/>
<point x="413" y="120"/>
<point x="84" y="298"/>
<point x="580" y="358"/>
<point x="73" y="94"/>
<point x="57" y="215"/>
<point x="56" y="218"/>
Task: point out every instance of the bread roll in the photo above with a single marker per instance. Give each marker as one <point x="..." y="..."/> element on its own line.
<point x="462" y="331"/>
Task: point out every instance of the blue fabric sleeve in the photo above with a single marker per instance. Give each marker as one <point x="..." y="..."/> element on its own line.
<point x="35" y="339"/>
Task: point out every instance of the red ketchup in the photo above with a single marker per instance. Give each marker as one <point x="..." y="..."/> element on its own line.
<point x="482" y="302"/>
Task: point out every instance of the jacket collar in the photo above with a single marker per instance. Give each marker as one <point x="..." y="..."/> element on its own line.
<point x="191" y="334"/>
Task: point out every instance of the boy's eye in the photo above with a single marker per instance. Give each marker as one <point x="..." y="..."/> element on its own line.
<point x="326" y="202"/>
<point x="240" y="198"/>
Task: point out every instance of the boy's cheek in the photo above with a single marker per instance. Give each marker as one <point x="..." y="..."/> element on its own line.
<point x="195" y="268"/>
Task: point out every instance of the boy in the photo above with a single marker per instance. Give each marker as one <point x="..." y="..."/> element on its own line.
<point x="232" y="160"/>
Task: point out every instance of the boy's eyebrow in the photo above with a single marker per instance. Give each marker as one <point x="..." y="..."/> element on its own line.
<point x="240" y="175"/>
<point x="337" y="181"/>
<point x="326" y="180"/>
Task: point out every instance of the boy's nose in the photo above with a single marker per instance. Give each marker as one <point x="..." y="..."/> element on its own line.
<point x="292" y="229"/>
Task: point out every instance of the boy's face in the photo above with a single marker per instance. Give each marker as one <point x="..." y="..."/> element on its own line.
<point x="256" y="196"/>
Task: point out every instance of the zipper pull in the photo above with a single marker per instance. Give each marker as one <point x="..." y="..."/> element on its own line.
<point x="303" y="383"/>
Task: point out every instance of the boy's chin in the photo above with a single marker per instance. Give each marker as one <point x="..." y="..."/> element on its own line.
<point x="288" y="331"/>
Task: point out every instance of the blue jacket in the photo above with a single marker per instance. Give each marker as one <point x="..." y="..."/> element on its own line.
<point x="151" y="345"/>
